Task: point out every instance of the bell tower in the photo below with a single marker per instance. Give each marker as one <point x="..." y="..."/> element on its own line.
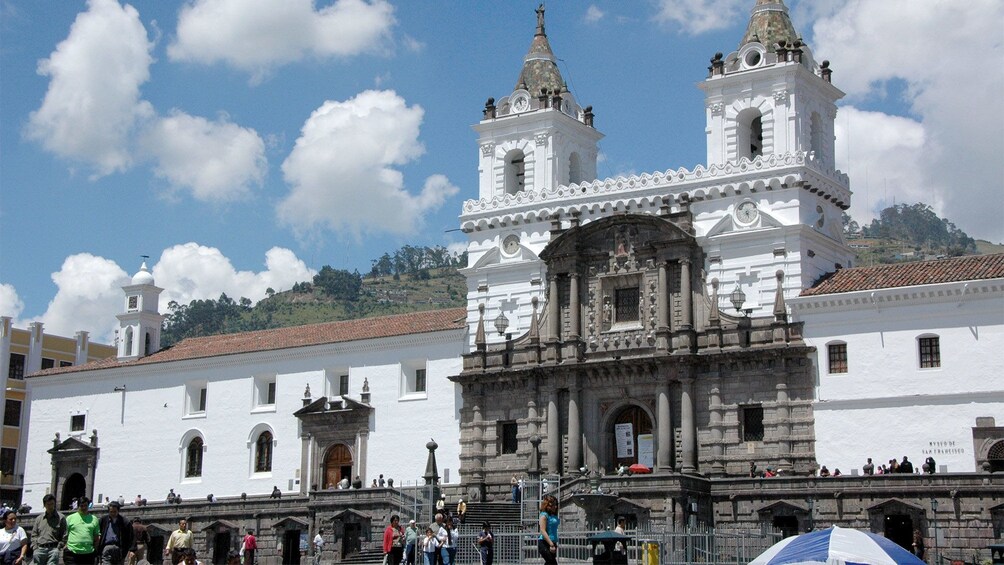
<point x="769" y="97"/>
<point x="537" y="137"/>
<point x="140" y="323"/>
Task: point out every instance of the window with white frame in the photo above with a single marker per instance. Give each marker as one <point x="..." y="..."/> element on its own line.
<point x="264" y="392"/>
<point x="414" y="380"/>
<point x="337" y="381"/>
<point x="78" y="422"/>
<point x="930" y="351"/>
<point x="193" y="457"/>
<point x="836" y="354"/>
<point x="263" y="452"/>
<point x="196" y="398"/>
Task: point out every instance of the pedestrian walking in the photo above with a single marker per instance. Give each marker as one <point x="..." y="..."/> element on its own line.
<point x="82" y="534"/>
<point x="115" y="544"/>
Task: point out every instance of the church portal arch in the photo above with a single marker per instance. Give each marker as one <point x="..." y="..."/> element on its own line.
<point x="74" y="487"/>
<point x="624" y="428"/>
<point x="337" y="465"/>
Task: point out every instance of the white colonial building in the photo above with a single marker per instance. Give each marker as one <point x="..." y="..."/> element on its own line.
<point x="229" y="414"/>
<point x="908" y="359"/>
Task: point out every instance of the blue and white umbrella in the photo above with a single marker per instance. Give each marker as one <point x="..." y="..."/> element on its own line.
<point x="836" y="546"/>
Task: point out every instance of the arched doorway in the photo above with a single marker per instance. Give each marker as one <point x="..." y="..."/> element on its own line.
<point x="74" y="487"/>
<point x="337" y="465"/>
<point x="630" y="423"/>
<point x="995" y="456"/>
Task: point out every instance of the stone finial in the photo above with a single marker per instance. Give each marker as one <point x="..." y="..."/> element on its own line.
<point x="714" y="318"/>
<point x="540" y="20"/>
<point x="55" y="440"/>
<point x="431" y="470"/>
<point x="534" y="322"/>
<point x="825" y="71"/>
<point x="94" y="438"/>
<point x="366" y="384"/>
<point x="479" y="336"/>
<point x="490" y="109"/>
<point x="306" y="391"/>
<point x="780" y="310"/>
<point x="587" y="116"/>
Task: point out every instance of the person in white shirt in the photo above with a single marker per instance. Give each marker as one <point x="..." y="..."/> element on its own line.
<point x="318" y="546"/>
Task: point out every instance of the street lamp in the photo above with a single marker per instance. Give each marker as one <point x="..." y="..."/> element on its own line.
<point x="501" y="323"/>
<point x="934" y="518"/>
<point x="738" y="298"/>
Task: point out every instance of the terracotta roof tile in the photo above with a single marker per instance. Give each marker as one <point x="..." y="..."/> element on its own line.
<point x="288" y="338"/>
<point x="956" y="269"/>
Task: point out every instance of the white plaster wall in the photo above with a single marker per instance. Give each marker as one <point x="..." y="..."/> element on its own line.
<point x="886" y="405"/>
<point x="140" y="432"/>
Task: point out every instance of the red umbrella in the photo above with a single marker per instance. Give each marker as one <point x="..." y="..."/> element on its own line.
<point x="640" y="469"/>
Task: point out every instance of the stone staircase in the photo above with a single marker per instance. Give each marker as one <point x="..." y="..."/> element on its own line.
<point x="494" y="512"/>
<point x="364" y="557"/>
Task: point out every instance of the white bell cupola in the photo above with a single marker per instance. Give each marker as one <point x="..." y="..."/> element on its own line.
<point x="537" y="137"/>
<point x="140" y="323"/>
<point x="770" y="97"/>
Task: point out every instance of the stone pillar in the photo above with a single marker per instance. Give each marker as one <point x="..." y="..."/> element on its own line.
<point x="362" y="439"/>
<point x="477" y="449"/>
<point x="82" y="347"/>
<point x="553" y="313"/>
<point x="574" y="429"/>
<point x="33" y="363"/>
<point x="305" y="463"/>
<point x="664" y="421"/>
<point x="688" y="425"/>
<point x="662" y="342"/>
<point x="573" y="306"/>
<point x="6" y="328"/>
<point x="553" y="434"/>
<point x="686" y="296"/>
<point x="783" y="428"/>
<point x="717" y="435"/>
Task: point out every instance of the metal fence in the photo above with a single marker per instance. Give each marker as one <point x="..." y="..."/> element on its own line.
<point x="518" y="545"/>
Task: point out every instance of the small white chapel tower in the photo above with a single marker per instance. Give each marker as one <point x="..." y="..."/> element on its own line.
<point x="139" y="325"/>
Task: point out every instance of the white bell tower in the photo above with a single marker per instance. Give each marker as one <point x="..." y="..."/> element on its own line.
<point x="770" y="97"/>
<point x="537" y="137"/>
<point x="140" y="323"/>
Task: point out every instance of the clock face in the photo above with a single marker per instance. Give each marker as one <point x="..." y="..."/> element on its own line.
<point x="746" y="212"/>
<point x="520" y="102"/>
<point x="510" y="245"/>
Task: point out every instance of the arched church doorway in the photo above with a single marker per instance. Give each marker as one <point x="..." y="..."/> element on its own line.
<point x="995" y="456"/>
<point x="629" y="424"/>
<point x="74" y="487"/>
<point x="337" y="465"/>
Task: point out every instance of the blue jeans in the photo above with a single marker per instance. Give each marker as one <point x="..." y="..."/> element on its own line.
<point x="449" y="554"/>
<point x="430" y="557"/>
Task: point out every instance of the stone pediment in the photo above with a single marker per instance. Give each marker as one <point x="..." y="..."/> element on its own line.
<point x="338" y="405"/>
<point x="729" y="225"/>
<point x="894" y="501"/>
<point x="622" y="236"/>
<point x="782" y="506"/>
<point x="351" y="515"/>
<point x="220" y="525"/>
<point x="290" y="523"/>
<point x="72" y="445"/>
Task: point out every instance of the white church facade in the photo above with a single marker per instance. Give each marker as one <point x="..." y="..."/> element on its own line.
<point x="696" y="308"/>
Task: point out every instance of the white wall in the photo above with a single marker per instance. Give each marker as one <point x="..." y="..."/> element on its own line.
<point x="885" y="405"/>
<point x="141" y="431"/>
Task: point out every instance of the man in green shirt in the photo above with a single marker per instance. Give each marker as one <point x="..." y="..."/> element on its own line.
<point x="82" y="532"/>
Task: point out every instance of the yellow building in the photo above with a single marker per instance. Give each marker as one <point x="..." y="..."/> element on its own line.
<point x="23" y="352"/>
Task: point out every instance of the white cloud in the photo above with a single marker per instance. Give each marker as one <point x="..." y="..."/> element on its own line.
<point x="93" y="101"/>
<point x="699" y="16"/>
<point x="341" y="172"/>
<point x="10" y="303"/>
<point x="195" y="272"/>
<point x="593" y="14"/>
<point x="217" y="161"/>
<point x="258" y="35"/>
<point x="89" y="288"/>
<point x="952" y="65"/>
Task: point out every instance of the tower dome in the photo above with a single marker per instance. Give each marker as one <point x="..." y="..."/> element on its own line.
<point x="143" y="276"/>
<point x="540" y="66"/>
<point x="770" y="25"/>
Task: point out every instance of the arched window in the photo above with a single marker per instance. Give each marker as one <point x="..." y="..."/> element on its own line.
<point x="128" y="342"/>
<point x="816" y="135"/>
<point x="515" y="171"/>
<point x="193" y="458"/>
<point x="263" y="453"/>
<point x="575" y="169"/>
<point x="146" y="344"/>
<point x="756" y="137"/>
<point x="749" y="134"/>
<point x="995" y="456"/>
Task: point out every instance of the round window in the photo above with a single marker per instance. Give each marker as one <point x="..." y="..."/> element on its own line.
<point x="752" y="58"/>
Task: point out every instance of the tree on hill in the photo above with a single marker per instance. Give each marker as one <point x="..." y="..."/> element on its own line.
<point x="919" y="225"/>
<point x="338" y="283"/>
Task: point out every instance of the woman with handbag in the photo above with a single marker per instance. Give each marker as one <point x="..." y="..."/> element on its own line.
<point x="13" y="540"/>
<point x="393" y="541"/>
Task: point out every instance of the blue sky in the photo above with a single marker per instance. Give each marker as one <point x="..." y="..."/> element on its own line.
<point x="243" y="144"/>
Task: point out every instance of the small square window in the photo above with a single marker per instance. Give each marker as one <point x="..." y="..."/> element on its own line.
<point x="626" y="304"/>
<point x="420" y="380"/>
<point x="197" y="398"/>
<point x="752" y="422"/>
<point x="930" y="352"/>
<point x="65" y="364"/>
<point x="77" y="422"/>
<point x="506" y="442"/>
<point x="8" y="459"/>
<point x="133" y="302"/>
<point x="16" y="370"/>
<point x="414" y="380"/>
<point x="837" y="354"/>
<point x="202" y="399"/>
<point x="264" y="392"/>
<point x="343" y="385"/>
<point x="48" y="363"/>
<point x="270" y="393"/>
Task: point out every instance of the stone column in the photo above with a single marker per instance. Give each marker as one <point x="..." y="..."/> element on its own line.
<point x="687" y="299"/>
<point x="664" y="420"/>
<point x="305" y="462"/>
<point x="362" y="439"/>
<point x="573" y="307"/>
<point x="688" y="425"/>
<point x="574" y="429"/>
<point x="6" y="329"/>
<point x="553" y="434"/>
<point x="715" y="424"/>
<point x="662" y="321"/>
<point x="477" y="448"/>
<point x="553" y="313"/>
<point x="783" y="428"/>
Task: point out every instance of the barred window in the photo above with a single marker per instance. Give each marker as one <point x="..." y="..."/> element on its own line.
<point x="343" y="385"/>
<point x="12" y="413"/>
<point x="752" y="422"/>
<point x="16" y="370"/>
<point x="263" y="453"/>
<point x="193" y="465"/>
<point x="419" y="380"/>
<point x="930" y="352"/>
<point x="626" y="304"/>
<point x="506" y="434"/>
<point x="77" y="422"/>
<point x="837" y="353"/>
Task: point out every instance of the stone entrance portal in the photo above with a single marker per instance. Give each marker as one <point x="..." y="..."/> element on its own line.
<point x="337" y="465"/>
<point x="631" y="424"/>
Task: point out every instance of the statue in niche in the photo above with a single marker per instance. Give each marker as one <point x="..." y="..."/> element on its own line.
<point x="624" y="241"/>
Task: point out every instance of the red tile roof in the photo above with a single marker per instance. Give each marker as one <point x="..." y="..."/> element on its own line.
<point x="288" y="338"/>
<point x="956" y="269"/>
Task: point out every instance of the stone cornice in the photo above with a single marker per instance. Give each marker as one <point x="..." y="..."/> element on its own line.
<point x="255" y="358"/>
<point x="977" y="397"/>
<point x="773" y="172"/>
<point x="900" y="296"/>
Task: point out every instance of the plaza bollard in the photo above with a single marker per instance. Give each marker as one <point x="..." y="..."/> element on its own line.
<point x="649" y="552"/>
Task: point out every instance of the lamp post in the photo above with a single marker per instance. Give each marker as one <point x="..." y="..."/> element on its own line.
<point x="812" y="507"/>
<point x="501" y="322"/>
<point x="934" y="518"/>
<point x="738" y="298"/>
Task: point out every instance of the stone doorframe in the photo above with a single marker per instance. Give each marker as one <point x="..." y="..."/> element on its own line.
<point x="73" y="456"/>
